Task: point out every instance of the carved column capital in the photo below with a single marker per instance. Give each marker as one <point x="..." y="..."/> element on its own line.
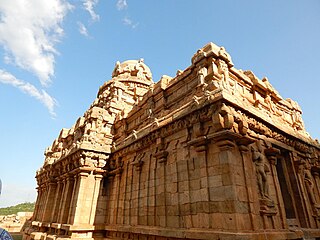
<point x="52" y="183"/>
<point x="98" y="176"/>
<point x="114" y="172"/>
<point x="199" y="143"/>
<point x="226" y="145"/>
<point x="161" y="153"/>
<point x="138" y="164"/>
<point x="271" y="154"/>
<point x="83" y="175"/>
<point x="161" y="156"/>
<point x="244" y="143"/>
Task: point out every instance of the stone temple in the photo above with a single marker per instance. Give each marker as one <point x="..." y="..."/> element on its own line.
<point x="213" y="153"/>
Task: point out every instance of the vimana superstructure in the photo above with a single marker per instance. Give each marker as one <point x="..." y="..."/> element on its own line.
<point x="213" y="153"/>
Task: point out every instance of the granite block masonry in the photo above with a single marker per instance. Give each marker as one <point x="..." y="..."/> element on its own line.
<point x="212" y="153"/>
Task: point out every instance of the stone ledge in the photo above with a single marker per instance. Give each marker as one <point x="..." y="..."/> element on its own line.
<point x="206" y="234"/>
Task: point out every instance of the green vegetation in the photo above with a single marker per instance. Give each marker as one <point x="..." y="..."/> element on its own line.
<point x="22" y="207"/>
<point x="17" y="237"/>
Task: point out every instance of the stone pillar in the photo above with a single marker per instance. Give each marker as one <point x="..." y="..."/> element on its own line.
<point x="95" y="196"/>
<point x="137" y="165"/>
<point x="160" y="184"/>
<point x="118" y="182"/>
<point x="42" y="202"/>
<point x="111" y="199"/>
<point x="253" y="203"/>
<point x="317" y="191"/>
<point x="81" y="207"/>
<point x="67" y="199"/>
<point x="56" y="202"/>
<point x="199" y="183"/>
<point x="73" y="199"/>
<point x="317" y="181"/>
<point x="48" y="207"/>
<point x="307" y="208"/>
<point x="229" y="205"/>
<point x="42" y="190"/>
<point x="226" y="191"/>
<point x="271" y="154"/>
<point x="36" y="208"/>
<point x="59" y="215"/>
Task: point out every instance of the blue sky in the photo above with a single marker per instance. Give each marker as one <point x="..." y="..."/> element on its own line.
<point x="55" y="54"/>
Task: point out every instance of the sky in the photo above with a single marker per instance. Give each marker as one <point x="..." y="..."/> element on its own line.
<point x="55" y="54"/>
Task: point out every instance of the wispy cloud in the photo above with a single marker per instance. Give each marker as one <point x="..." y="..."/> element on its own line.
<point x="82" y="29"/>
<point x="41" y="95"/>
<point x="29" y="31"/>
<point x="127" y="21"/>
<point x="89" y="6"/>
<point x="122" y="4"/>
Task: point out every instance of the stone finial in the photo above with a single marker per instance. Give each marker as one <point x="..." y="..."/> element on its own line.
<point x="133" y="68"/>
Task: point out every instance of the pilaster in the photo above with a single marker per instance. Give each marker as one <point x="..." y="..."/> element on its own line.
<point x="67" y="199"/>
<point x="49" y="202"/>
<point x="80" y="204"/>
<point x="61" y="202"/>
<point x="250" y="178"/>
<point x="73" y="200"/>
<point x="268" y="210"/>
<point x="96" y="189"/>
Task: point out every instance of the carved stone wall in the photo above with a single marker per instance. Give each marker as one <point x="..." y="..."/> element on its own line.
<point x="213" y="153"/>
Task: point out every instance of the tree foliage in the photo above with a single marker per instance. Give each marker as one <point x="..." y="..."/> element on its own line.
<point x="22" y="207"/>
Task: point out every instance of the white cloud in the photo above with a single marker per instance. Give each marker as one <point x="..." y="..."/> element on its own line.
<point x="31" y="90"/>
<point x="89" y="5"/>
<point x="29" y="31"/>
<point x="127" y="21"/>
<point x="82" y="29"/>
<point x="122" y="4"/>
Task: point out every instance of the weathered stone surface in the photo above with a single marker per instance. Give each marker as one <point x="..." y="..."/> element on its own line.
<point x="14" y="223"/>
<point x="213" y="153"/>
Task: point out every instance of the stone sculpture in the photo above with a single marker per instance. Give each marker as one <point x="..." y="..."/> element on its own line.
<point x="262" y="169"/>
<point x="308" y="180"/>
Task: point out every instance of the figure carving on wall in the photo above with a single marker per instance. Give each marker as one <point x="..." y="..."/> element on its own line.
<point x="202" y="72"/>
<point x="213" y="68"/>
<point x="296" y="118"/>
<point x="308" y="181"/>
<point x="269" y="103"/>
<point x="262" y="168"/>
<point x="223" y="70"/>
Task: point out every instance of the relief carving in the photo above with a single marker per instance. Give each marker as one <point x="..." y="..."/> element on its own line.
<point x="202" y="73"/>
<point x="262" y="169"/>
<point x="138" y="161"/>
<point x="309" y="185"/>
<point x="223" y="119"/>
<point x="223" y="71"/>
